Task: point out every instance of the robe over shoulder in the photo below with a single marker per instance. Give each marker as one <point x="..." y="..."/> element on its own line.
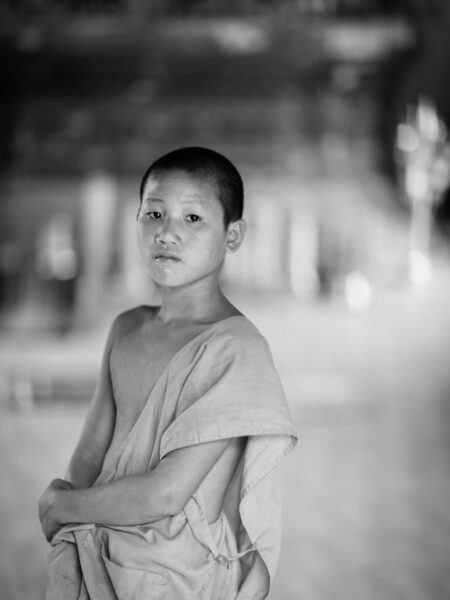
<point x="222" y="384"/>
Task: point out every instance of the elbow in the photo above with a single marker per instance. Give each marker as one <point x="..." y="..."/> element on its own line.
<point x="174" y="501"/>
<point x="159" y="502"/>
<point x="168" y="495"/>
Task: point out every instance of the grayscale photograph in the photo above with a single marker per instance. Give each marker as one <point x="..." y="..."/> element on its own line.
<point x="224" y="300"/>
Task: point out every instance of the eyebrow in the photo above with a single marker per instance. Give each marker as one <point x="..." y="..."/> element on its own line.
<point x="192" y="200"/>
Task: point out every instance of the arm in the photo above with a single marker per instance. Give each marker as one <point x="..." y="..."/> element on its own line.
<point x="87" y="459"/>
<point x="94" y="441"/>
<point x="139" y="498"/>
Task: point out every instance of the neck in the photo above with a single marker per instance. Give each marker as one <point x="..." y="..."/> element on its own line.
<point x="199" y="303"/>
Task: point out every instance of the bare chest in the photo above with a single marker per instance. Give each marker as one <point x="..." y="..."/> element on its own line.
<point x="136" y="364"/>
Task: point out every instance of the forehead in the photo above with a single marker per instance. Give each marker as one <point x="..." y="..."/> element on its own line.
<point x="179" y="185"/>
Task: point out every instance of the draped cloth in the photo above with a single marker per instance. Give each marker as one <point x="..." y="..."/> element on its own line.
<point x="221" y="384"/>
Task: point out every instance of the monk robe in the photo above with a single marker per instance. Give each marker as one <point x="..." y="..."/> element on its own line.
<point x="221" y="384"/>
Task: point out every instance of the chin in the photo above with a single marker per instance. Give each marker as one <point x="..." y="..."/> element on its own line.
<point x="178" y="282"/>
<point x="169" y="280"/>
<point x="164" y="281"/>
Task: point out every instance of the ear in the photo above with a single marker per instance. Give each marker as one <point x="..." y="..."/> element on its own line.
<point x="235" y="234"/>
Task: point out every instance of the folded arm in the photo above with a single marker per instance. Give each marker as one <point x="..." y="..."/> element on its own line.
<point x="136" y="499"/>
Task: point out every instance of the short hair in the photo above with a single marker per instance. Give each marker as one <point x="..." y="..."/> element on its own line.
<point x="207" y="165"/>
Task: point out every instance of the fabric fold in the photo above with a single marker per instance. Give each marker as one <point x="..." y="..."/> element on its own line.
<point x="222" y="384"/>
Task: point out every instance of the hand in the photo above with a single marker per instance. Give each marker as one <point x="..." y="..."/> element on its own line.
<point x="48" y="497"/>
<point x="47" y="505"/>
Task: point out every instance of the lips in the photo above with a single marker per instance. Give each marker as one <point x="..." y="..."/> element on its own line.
<point x="165" y="257"/>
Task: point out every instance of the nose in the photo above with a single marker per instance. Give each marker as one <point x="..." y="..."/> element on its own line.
<point x="167" y="233"/>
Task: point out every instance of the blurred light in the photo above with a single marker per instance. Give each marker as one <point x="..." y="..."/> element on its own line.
<point x="358" y="292"/>
<point x="419" y="267"/>
<point x="407" y="139"/>
<point x="416" y="183"/>
<point x="441" y="170"/>
<point x="241" y="38"/>
<point x="366" y="42"/>
<point x="428" y="122"/>
<point x="56" y="257"/>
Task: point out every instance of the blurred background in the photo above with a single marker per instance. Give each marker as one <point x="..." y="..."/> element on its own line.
<point x="336" y="113"/>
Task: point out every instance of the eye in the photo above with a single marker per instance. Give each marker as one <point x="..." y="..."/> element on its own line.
<point x="153" y="214"/>
<point x="193" y="218"/>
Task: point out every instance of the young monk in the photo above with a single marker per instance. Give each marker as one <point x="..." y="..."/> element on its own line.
<point x="172" y="490"/>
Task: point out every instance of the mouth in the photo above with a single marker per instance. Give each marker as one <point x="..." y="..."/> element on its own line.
<point x="165" y="257"/>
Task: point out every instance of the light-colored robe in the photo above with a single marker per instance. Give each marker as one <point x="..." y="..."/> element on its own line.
<point x="221" y="384"/>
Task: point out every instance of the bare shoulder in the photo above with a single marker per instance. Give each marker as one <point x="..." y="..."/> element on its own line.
<point x="132" y="319"/>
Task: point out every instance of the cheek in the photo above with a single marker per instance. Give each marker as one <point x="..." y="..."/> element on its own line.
<point x="213" y="245"/>
<point x="143" y="233"/>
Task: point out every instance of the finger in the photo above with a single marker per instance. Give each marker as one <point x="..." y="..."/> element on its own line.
<point x="57" y="482"/>
<point x="61" y="484"/>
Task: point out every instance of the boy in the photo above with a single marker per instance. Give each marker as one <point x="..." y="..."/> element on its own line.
<point x="172" y="490"/>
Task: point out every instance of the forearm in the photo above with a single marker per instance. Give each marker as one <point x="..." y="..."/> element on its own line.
<point x="142" y="498"/>
<point x="127" y="501"/>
